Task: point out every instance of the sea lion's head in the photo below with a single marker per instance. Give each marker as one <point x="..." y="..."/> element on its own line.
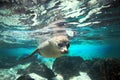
<point x="62" y="43"/>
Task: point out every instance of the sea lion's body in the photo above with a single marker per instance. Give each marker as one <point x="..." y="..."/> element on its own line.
<point x="51" y="49"/>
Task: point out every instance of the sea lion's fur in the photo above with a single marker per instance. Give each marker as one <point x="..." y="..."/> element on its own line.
<point x="50" y="48"/>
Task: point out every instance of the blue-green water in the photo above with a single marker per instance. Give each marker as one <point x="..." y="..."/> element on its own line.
<point x="84" y="50"/>
<point x="89" y="51"/>
<point x="91" y="41"/>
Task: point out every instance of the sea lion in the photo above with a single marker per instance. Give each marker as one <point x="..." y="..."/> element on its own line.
<point x="56" y="44"/>
<point x="53" y="47"/>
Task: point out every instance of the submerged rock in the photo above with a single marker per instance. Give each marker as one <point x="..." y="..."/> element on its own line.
<point x="31" y="76"/>
<point x="97" y="69"/>
<point x="39" y="69"/>
<point x="67" y="66"/>
<point x="7" y="62"/>
<point x="112" y="69"/>
<point x="25" y="77"/>
<point x="103" y="69"/>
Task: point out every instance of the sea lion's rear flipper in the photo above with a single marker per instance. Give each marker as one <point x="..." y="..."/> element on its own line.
<point x="31" y="54"/>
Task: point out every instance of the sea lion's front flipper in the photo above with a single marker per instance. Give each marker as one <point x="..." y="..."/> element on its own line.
<point x="31" y="54"/>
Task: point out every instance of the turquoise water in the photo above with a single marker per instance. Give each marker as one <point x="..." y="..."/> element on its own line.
<point x="84" y="50"/>
<point x="91" y="41"/>
<point x="90" y="51"/>
<point x="16" y="52"/>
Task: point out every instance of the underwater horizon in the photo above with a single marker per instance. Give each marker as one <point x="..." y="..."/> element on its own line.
<point x="92" y="26"/>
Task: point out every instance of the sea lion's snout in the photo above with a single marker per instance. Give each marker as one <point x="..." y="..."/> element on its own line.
<point x="64" y="51"/>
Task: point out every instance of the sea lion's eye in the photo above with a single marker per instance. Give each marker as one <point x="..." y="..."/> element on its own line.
<point x="60" y="44"/>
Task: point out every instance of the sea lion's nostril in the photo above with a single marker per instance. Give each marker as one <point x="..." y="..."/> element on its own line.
<point x="65" y="51"/>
